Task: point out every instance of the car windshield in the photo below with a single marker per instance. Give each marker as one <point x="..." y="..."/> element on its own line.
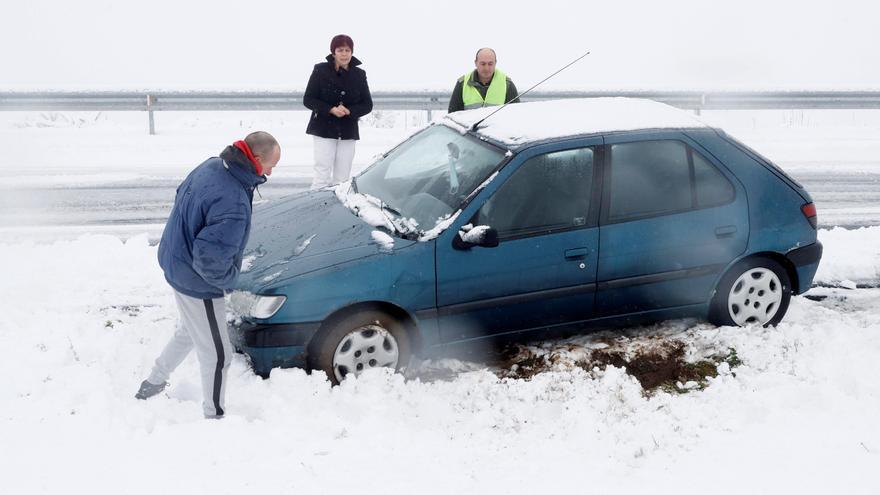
<point x="428" y="176"/>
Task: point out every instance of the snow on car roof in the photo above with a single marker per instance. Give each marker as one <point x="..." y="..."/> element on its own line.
<point x="523" y="123"/>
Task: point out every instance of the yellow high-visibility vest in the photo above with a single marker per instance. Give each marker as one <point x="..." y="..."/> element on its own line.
<point x="495" y="95"/>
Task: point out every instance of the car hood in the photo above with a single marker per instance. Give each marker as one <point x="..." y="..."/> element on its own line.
<point x="303" y="233"/>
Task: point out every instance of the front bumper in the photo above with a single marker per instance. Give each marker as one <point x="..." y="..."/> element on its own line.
<point x="273" y="346"/>
<point x="806" y="263"/>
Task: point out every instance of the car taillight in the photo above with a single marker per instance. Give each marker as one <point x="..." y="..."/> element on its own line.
<point x="809" y="211"/>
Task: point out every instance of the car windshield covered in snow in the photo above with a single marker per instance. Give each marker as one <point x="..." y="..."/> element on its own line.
<point x="428" y="176"/>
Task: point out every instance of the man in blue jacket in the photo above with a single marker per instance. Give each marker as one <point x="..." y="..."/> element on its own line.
<point x="200" y="253"/>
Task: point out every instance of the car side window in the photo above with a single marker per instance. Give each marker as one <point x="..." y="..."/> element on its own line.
<point x="712" y="187"/>
<point x="546" y="193"/>
<point x="650" y="178"/>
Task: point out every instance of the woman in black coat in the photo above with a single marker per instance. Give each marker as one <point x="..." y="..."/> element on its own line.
<point x="337" y="95"/>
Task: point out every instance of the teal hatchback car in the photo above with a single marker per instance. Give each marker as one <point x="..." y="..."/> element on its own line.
<point x="545" y="216"/>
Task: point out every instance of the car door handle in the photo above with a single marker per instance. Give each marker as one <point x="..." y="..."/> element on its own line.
<point x="576" y="254"/>
<point x="726" y="231"/>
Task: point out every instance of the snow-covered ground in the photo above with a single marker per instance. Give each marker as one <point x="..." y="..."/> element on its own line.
<point x="83" y="319"/>
<point x="84" y="316"/>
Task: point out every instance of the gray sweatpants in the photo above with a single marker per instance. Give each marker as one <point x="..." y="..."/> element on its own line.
<point x="202" y="324"/>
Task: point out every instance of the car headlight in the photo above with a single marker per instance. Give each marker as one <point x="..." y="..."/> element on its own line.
<point x="255" y="306"/>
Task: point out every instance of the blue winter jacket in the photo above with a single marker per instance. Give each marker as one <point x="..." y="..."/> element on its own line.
<point x="203" y="241"/>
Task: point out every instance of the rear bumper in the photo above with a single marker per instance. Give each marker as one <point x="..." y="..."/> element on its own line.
<point x="806" y="262"/>
<point x="807" y="255"/>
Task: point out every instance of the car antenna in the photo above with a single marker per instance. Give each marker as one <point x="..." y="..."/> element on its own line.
<point x="474" y="127"/>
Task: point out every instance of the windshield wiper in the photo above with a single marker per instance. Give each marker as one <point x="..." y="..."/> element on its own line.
<point x="386" y="206"/>
<point x="400" y="227"/>
<point x="354" y="184"/>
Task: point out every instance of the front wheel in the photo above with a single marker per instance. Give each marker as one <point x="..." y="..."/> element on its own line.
<point x="358" y="342"/>
<point x="755" y="291"/>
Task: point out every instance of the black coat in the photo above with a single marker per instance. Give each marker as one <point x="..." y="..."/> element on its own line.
<point x="327" y="88"/>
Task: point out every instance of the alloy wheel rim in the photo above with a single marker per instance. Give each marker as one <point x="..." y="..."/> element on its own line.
<point x="755" y="297"/>
<point x="367" y="347"/>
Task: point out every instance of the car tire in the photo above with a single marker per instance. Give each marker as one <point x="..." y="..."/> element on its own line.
<point x="755" y="291"/>
<point x="360" y="341"/>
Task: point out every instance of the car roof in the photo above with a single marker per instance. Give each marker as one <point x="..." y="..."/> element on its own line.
<point x="526" y="123"/>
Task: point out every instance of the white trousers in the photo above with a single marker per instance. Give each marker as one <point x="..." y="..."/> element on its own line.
<point x="202" y="324"/>
<point x="333" y="159"/>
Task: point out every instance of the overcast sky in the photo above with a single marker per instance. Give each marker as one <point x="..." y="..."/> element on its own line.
<point x="261" y="44"/>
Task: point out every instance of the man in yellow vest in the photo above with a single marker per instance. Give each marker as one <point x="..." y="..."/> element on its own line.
<point x="485" y="86"/>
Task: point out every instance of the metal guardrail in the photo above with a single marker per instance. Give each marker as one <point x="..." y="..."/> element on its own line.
<point x="413" y="100"/>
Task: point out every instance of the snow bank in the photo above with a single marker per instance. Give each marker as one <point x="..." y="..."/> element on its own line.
<point x="850" y="255"/>
<point x="116" y="146"/>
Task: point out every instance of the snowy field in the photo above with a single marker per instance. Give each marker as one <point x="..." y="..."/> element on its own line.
<point x="64" y="174"/>
<point x="83" y="319"/>
<point x="85" y="314"/>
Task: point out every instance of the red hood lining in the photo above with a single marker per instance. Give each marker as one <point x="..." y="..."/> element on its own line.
<point x="247" y="152"/>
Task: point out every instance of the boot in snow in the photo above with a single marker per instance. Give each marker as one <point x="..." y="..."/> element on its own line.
<point x="148" y="390"/>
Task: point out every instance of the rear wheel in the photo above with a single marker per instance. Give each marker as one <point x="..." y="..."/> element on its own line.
<point x="756" y="291"/>
<point x="361" y="341"/>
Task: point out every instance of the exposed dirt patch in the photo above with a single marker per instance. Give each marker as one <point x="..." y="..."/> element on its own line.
<point x="662" y="366"/>
<point x="656" y="362"/>
<point x="677" y="357"/>
<point x="527" y="366"/>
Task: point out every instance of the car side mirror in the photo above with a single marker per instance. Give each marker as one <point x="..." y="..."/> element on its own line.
<point x="481" y="235"/>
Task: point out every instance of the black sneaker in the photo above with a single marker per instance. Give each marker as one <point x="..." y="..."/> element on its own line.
<point x="148" y="390"/>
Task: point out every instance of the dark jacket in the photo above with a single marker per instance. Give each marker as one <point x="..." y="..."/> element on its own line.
<point x="328" y="88"/>
<point x="203" y="241"/>
<point x="456" y="103"/>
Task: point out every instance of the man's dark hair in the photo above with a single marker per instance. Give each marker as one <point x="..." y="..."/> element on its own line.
<point x="477" y="55"/>
<point x="261" y="143"/>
